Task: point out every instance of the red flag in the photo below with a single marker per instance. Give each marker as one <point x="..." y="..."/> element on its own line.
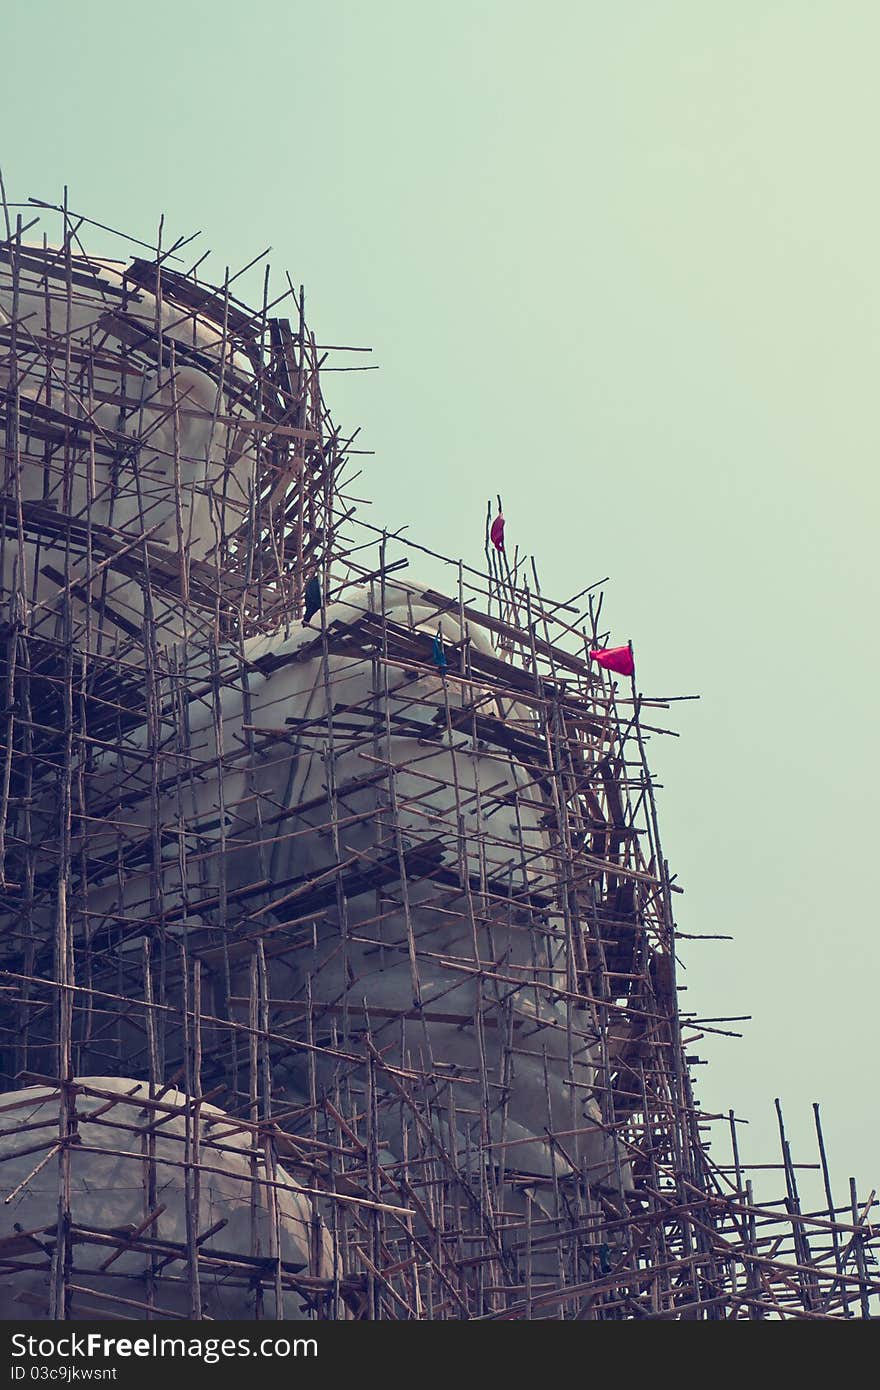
<point x="618" y="659"/>
<point x="496" y="535"/>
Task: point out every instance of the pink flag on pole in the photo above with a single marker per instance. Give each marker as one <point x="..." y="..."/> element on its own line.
<point x="618" y="659"/>
<point x="496" y="535"/>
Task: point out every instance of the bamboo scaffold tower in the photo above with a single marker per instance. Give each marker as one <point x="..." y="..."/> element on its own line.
<point x="338" y="964"/>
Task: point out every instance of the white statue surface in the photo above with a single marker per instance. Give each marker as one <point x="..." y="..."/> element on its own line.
<point x="346" y="812"/>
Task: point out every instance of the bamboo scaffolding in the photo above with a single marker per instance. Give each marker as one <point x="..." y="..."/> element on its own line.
<point x="499" y="841"/>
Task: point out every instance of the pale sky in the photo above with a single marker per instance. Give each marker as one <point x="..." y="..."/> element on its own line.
<point x="619" y="263"/>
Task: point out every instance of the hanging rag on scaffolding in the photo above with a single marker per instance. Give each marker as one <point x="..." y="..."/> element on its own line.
<point x="313" y="599"/>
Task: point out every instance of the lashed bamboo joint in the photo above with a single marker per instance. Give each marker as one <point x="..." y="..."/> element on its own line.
<point x="338" y="968"/>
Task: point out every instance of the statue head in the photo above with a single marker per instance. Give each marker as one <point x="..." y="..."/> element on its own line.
<point x="132" y="441"/>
